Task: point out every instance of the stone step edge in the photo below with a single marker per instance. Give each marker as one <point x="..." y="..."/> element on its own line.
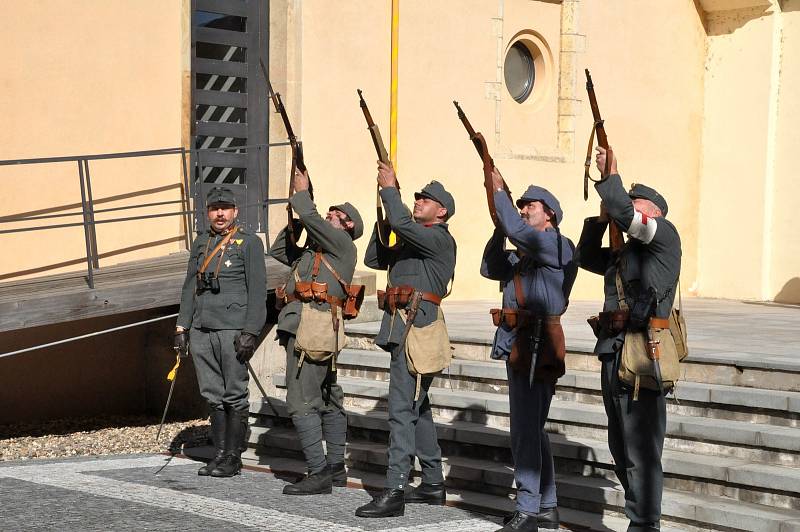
<point x="707" y="469"/>
<point x="698" y="392"/>
<point x="729" y="432"/>
<point x="465" y="499"/>
<point x="705" y="356"/>
<point x="696" y="509"/>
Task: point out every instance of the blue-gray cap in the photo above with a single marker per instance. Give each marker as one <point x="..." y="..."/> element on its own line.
<point x="643" y="191"/>
<point x="535" y="193"/>
<point x="435" y="191"/>
<point x="220" y="196"/>
<point x="353" y="214"/>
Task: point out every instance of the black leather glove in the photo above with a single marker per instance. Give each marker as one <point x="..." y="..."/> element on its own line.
<point x="245" y="345"/>
<point x="181" y="342"/>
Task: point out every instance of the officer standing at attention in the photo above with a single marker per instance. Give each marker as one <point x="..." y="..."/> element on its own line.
<point x="423" y="264"/>
<point x="537" y="281"/>
<point x="646" y="270"/>
<point x="314" y="400"/>
<point x="223" y="309"/>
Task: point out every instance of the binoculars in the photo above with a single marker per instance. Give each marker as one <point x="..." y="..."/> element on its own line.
<point x="207" y="281"/>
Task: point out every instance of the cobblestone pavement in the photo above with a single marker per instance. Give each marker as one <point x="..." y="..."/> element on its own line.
<point x="129" y="493"/>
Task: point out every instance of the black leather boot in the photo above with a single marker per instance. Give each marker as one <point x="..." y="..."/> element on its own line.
<point x="218" y="439"/>
<point x="520" y="522"/>
<point x="231" y="463"/>
<point x="548" y="518"/>
<point x="390" y="503"/>
<point x="311" y="484"/>
<point x="644" y="527"/>
<point x="428" y="493"/>
<point x="338" y="474"/>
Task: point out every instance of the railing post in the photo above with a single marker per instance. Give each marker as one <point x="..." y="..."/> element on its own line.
<point x="92" y="226"/>
<point x="86" y="238"/>
<point x="188" y="219"/>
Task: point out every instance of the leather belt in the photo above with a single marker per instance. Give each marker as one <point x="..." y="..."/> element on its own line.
<point x="400" y="296"/>
<point x="616" y="321"/>
<point x="331" y="300"/>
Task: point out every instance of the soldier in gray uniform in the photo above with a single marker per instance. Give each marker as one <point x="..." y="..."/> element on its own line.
<point x="314" y="400"/>
<point x="649" y="266"/>
<point x="424" y="260"/>
<point x="223" y="309"/>
<point x="537" y="278"/>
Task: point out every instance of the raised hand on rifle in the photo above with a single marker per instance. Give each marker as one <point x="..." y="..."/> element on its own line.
<point x="386" y="175"/>
<point x="602" y="163"/>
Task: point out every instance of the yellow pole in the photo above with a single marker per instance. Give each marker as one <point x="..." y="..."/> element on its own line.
<point x="393" y="96"/>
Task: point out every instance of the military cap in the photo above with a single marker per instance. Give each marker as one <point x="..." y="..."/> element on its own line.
<point x="220" y="195"/>
<point x="435" y="191"/>
<point x="643" y="191"/>
<point x="353" y="214"/>
<point x="535" y="193"/>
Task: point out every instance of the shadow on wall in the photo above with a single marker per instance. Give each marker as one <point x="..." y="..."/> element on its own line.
<point x="726" y="22"/>
<point x="790" y="293"/>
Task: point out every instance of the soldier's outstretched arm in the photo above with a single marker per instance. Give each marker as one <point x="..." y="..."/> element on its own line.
<point x="377" y="256"/>
<point x="495" y="263"/>
<point x="658" y="233"/>
<point x="590" y="253"/>
<point x="283" y="249"/>
<point x="542" y="246"/>
<point x="332" y="240"/>
<point x="429" y="243"/>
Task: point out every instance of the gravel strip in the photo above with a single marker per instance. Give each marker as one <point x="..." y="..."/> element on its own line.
<point x="98" y="436"/>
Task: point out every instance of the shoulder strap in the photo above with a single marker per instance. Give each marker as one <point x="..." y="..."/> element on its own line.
<point x="221" y="245"/>
<point x="518" y="292"/>
<point x="332" y="270"/>
<point x="623" y="304"/>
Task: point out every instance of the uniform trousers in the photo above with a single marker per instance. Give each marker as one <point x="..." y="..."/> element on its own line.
<point x="221" y="378"/>
<point x="636" y="439"/>
<point x="315" y="403"/>
<point x="411" y="427"/>
<point x="534" y="473"/>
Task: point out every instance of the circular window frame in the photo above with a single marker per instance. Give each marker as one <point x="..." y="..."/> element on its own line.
<point x="542" y="57"/>
<point x="529" y="77"/>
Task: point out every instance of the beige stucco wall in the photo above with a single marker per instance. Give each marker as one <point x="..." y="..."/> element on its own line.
<point x="87" y="77"/>
<point x="784" y="281"/>
<point x="748" y="188"/>
<point x="649" y="79"/>
<point x="697" y="97"/>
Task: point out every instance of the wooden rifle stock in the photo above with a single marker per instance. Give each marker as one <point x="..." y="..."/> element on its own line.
<point x="614" y="232"/>
<point x="488" y="163"/>
<point x="298" y="161"/>
<point x="384" y="229"/>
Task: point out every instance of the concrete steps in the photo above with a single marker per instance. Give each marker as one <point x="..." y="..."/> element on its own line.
<point x="731" y="458"/>
<point x="595" y="490"/>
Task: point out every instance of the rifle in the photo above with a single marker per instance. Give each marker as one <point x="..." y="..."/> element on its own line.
<point x="298" y="162"/>
<point x="614" y="232"/>
<point x="488" y="163"/>
<point x="384" y="229"/>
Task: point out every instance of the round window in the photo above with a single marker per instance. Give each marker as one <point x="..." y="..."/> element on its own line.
<point x="519" y="72"/>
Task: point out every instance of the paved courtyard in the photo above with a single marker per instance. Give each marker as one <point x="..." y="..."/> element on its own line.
<point x="130" y="493"/>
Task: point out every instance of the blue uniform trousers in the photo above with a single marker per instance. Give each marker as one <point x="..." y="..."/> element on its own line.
<point x="534" y="473"/>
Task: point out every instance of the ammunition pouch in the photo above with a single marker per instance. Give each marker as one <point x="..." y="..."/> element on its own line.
<point x="511" y="317"/>
<point x="354" y="297"/>
<point x="550" y="364"/>
<point x="398" y="297"/>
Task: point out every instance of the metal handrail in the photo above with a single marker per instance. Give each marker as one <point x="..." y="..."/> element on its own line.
<point x="87" y="204"/>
